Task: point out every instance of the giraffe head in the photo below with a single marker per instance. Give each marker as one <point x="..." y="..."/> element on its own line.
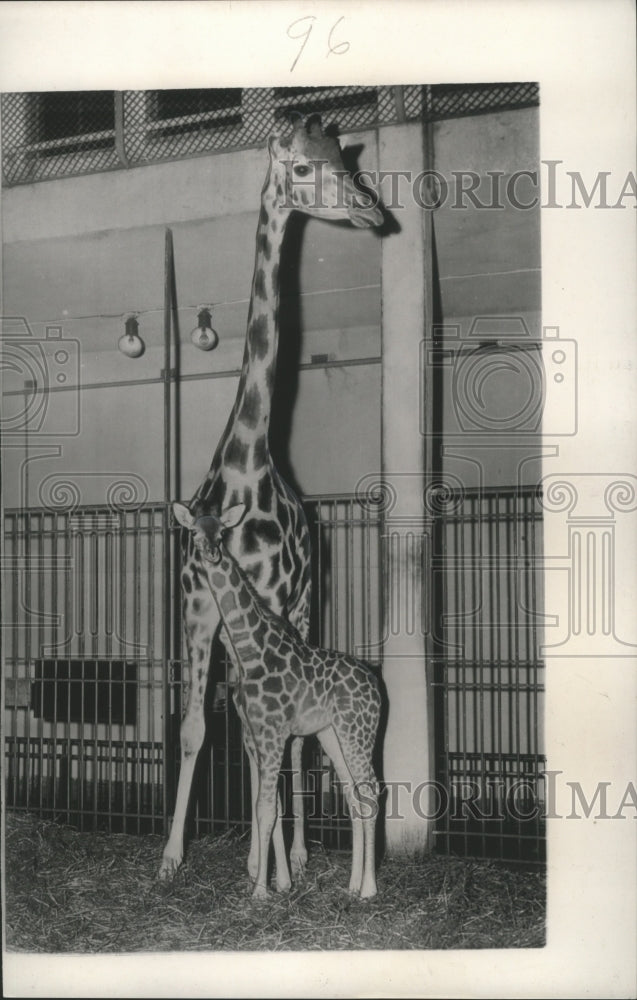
<point x="210" y="531"/>
<point x="307" y="174"/>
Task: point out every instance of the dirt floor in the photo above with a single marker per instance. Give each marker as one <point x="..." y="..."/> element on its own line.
<point x="98" y="892"/>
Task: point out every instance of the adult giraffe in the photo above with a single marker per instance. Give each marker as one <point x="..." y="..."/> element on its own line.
<point x="305" y="174"/>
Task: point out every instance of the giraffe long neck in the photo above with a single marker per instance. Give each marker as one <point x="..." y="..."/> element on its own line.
<point x="246" y="434"/>
<point x="239" y="608"/>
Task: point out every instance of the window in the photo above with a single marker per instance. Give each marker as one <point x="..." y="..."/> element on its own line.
<point x="202" y="108"/>
<point x="72" y="121"/>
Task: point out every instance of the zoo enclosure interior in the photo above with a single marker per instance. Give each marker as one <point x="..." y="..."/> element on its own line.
<point x="74" y="753"/>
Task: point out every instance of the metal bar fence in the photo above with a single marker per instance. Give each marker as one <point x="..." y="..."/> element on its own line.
<point x="488" y="678"/>
<point x="94" y="694"/>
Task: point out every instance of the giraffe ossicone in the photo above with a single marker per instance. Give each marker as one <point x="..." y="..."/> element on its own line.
<point x="286" y="688"/>
<point x="272" y="546"/>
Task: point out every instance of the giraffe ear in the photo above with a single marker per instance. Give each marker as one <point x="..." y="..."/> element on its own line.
<point x="278" y="143"/>
<point x="233" y="516"/>
<point x="183" y="516"/>
<point x="314" y="127"/>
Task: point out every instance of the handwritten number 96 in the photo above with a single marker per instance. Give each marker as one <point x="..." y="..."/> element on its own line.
<point x="302" y="29"/>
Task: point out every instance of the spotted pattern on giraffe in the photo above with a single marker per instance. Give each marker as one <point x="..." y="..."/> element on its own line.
<point x="250" y="410"/>
<point x="264" y="246"/>
<point x="264" y="493"/>
<point x="259" y="284"/>
<point x="260" y="452"/>
<point x="259" y="340"/>
<point x="236" y="454"/>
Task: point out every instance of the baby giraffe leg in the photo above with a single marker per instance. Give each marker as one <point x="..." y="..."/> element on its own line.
<point x="362" y="880"/>
<point x="298" y="852"/>
<point x="266" y="816"/>
<point x="283" y="880"/>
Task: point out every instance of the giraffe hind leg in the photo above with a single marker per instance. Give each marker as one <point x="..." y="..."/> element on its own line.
<point x="299" y="616"/>
<point x="360" y="788"/>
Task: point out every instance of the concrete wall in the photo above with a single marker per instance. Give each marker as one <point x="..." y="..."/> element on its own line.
<point x="489" y="279"/>
<point x="83" y="252"/>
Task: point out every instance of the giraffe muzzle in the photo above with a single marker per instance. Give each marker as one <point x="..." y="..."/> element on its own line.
<point x="363" y="213"/>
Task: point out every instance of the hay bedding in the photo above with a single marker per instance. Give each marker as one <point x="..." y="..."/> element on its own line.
<point x="97" y="892"/>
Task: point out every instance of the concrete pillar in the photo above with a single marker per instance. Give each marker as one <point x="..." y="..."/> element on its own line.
<point x="406" y="326"/>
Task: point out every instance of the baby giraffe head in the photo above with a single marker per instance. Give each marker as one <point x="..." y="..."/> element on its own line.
<point x="210" y="531"/>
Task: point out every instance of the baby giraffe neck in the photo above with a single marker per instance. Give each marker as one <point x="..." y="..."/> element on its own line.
<point x="239" y="611"/>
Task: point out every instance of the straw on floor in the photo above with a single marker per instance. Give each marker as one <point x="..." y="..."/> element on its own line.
<point x="68" y="891"/>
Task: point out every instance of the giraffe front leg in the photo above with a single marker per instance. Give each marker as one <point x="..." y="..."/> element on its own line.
<point x="283" y="880"/>
<point x="298" y="852"/>
<point x="253" y="856"/>
<point x="192" y="735"/>
<point x="266" y="817"/>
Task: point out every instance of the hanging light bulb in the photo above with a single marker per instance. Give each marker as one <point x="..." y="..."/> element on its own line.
<point x="131" y="344"/>
<point x="203" y="336"/>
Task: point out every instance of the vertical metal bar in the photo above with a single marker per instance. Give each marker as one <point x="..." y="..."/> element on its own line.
<point x="120" y="133"/>
<point x="537" y="749"/>
<point x="14" y="542"/>
<point x="366" y="570"/>
<point x="166" y="603"/>
<point x="28" y="630"/>
<point x="94" y="584"/>
<point x="109" y="579"/>
<point x="41" y="611"/>
<point x="516" y="647"/>
<point x="151" y="690"/>
<point x="350" y="579"/>
<point x="462" y="678"/>
<point x="168" y="266"/>
<point x="482" y="559"/>
<point x="319" y="597"/>
<point x="334" y="638"/>
<point x="500" y="564"/>
<point x="168" y="588"/>
<point x="441" y="624"/>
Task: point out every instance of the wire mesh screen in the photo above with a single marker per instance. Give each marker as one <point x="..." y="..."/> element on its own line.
<point x="462" y="99"/>
<point x="59" y="134"/>
<point x="48" y="135"/>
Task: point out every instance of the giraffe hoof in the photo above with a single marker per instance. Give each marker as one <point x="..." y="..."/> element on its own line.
<point x="260" y="893"/>
<point x="168" y="868"/>
<point x="298" y="864"/>
<point x="283" y="885"/>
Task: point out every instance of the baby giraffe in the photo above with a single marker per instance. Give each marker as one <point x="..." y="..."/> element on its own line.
<point x="288" y="687"/>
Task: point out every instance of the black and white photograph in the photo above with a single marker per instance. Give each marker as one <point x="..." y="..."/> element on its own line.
<point x="319" y="499"/>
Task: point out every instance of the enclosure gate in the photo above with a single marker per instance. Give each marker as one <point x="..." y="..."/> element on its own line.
<point x="95" y="670"/>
